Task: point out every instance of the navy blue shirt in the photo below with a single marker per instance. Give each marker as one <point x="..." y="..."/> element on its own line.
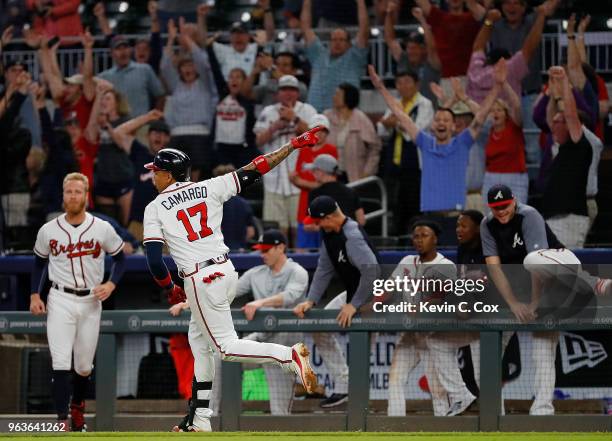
<point x="237" y="216"/>
<point x="144" y="191"/>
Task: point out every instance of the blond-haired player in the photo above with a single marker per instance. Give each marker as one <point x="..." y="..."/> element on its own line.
<point x="70" y="249"/>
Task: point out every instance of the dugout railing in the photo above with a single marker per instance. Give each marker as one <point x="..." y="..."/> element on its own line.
<point x="357" y="416"/>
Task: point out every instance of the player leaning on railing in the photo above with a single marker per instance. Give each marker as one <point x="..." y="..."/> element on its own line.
<point x="187" y="217"/>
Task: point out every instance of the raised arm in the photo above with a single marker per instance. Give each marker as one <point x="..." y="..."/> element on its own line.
<point x="202" y="13"/>
<point x="389" y="30"/>
<point x="363" y="33"/>
<point x="261" y="165"/>
<point x="460" y="95"/>
<point x="500" y="74"/>
<point x="93" y="127"/>
<point x="515" y="104"/>
<point x="425" y="5"/>
<point x="483" y="36"/>
<point x="56" y="83"/>
<point x="306" y="22"/>
<point x="532" y="41"/>
<point x="89" y="85"/>
<point x="478" y="11"/>
<point x="406" y="123"/>
<point x="268" y="19"/>
<point x="124" y="134"/>
<point x="100" y="13"/>
<point x="580" y="44"/>
<point x="574" y="65"/>
<point x="569" y="104"/>
<point x="430" y="44"/>
<point x="167" y="69"/>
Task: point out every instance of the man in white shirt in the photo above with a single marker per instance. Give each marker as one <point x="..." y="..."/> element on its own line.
<point x="278" y="123"/>
<point x="239" y="53"/>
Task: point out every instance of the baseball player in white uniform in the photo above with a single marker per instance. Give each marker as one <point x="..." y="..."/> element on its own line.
<point x="280" y="282"/>
<point x="436" y="350"/>
<point x="187" y="217"/>
<point x="72" y="248"/>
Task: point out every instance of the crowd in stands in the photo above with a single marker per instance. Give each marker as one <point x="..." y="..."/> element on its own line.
<point x="479" y="111"/>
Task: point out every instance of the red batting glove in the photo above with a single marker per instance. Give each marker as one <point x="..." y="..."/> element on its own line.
<point x="176" y="295"/>
<point x="307" y="139"/>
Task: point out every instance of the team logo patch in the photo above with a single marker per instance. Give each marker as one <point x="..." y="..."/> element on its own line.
<point x="75" y="250"/>
<point x="578" y="352"/>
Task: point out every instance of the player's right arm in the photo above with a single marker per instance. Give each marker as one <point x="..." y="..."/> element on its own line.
<point x="252" y="172"/>
<point x="39" y="272"/>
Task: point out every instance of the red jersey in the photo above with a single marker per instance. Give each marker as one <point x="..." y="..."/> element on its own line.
<point x="86" y="153"/>
<point x="307" y="156"/>
<point x="454" y="36"/>
<point x="82" y="108"/>
<point x="505" y="151"/>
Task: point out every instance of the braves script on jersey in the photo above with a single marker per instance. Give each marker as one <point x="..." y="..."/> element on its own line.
<point x="76" y="254"/>
<point x="187" y="217"/>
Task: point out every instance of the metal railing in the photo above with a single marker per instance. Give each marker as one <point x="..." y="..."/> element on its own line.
<point x="357" y="416"/>
<point x="553" y="52"/>
<point x="382" y="212"/>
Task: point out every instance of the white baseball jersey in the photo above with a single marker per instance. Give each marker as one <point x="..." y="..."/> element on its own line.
<point x="187" y="217"/>
<point x="411" y="266"/>
<point x="76" y="254"/>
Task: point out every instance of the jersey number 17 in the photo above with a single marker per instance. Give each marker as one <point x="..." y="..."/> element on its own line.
<point x="185" y="215"/>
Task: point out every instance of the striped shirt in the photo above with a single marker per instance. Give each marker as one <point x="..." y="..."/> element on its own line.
<point x="329" y="72"/>
<point x="139" y="84"/>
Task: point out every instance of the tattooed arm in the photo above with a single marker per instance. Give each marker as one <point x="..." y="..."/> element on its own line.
<point x="261" y="165"/>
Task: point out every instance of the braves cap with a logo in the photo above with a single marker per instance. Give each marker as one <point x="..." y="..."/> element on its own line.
<point x="499" y="195"/>
<point x="269" y="239"/>
<point x="320" y="207"/>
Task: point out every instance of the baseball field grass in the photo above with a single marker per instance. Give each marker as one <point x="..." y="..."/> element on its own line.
<point x="327" y="436"/>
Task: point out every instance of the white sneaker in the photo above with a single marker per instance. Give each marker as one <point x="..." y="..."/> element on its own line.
<point x="458" y="407"/>
<point x="300" y="365"/>
<point x="201" y="424"/>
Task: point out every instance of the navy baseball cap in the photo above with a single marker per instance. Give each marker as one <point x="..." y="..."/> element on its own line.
<point x="499" y="195"/>
<point x="320" y="207"/>
<point x="159" y="126"/>
<point x="270" y="239"/>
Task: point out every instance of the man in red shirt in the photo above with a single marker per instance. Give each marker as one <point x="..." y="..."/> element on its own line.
<point x="77" y="92"/>
<point x="84" y="150"/>
<point x="305" y="180"/>
<point x="454" y="32"/>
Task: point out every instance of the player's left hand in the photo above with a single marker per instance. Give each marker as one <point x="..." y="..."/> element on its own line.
<point x="176" y="295"/>
<point x="250" y="309"/>
<point x="346" y="315"/>
<point x="307" y="139"/>
<point x="103" y="291"/>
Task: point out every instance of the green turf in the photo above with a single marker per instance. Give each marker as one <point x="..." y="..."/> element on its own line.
<point x="329" y="436"/>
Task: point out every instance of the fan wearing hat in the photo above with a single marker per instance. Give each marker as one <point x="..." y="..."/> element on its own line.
<point x="304" y="179"/>
<point x="75" y="93"/>
<point x="137" y="81"/>
<point x="158" y="137"/>
<point x="277" y="124"/>
<point x="346" y="252"/>
<point x="420" y="54"/>
<point x="240" y="52"/>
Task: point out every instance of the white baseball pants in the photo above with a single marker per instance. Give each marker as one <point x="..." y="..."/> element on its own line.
<point x="331" y="351"/>
<point x="73" y="326"/>
<point x="443" y="347"/>
<point x="410" y="349"/>
<point x="280" y="386"/>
